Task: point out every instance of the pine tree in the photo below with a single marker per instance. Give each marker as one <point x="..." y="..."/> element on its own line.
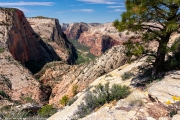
<point x="156" y="20"/>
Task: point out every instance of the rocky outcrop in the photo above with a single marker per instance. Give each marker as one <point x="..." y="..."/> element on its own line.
<point x="74" y="30"/>
<point x="18" y="83"/>
<point x="103" y="37"/>
<point x="136" y="106"/>
<point x="22" y="42"/>
<point x="62" y="77"/>
<point x="19" y="42"/>
<point x="113" y="77"/>
<point x="18" y="37"/>
<point x="50" y="31"/>
<point x="98" y="43"/>
<point x="164" y="90"/>
<point x="99" y="37"/>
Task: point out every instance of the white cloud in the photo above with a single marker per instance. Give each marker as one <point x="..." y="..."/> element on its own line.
<point x="98" y="1"/>
<point x="75" y="5"/>
<point x="77" y="10"/>
<point x="82" y="10"/>
<point x="117" y="10"/>
<point x="22" y="3"/>
<point x="115" y="6"/>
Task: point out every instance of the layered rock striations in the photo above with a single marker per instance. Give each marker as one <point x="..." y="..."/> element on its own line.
<point x="50" y="31"/>
<point x="99" y="37"/>
<point x="18" y="37"/>
<point x="62" y="77"/>
<point x="74" y="30"/>
<point x="20" y="44"/>
<point x="147" y="102"/>
<point x="18" y="83"/>
<point x="103" y="37"/>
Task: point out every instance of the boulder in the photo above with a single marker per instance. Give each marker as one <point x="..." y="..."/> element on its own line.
<point x="169" y="86"/>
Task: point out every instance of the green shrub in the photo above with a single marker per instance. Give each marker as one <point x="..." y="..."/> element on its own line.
<point x="18" y="115"/>
<point x="4" y="95"/>
<point x="1" y="50"/>
<point x="64" y="100"/>
<point x="75" y="89"/>
<point x="99" y="96"/>
<point x="13" y="115"/>
<point x="119" y="92"/>
<point x="127" y="75"/>
<point x="28" y="99"/>
<point x="5" y="108"/>
<point x="46" y="111"/>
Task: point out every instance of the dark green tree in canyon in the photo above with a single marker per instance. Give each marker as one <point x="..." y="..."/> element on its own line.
<point x="156" y="20"/>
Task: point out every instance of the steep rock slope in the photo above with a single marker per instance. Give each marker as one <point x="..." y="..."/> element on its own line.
<point x="164" y="90"/>
<point x="19" y="38"/>
<point x="18" y="41"/>
<point x="103" y="37"/>
<point x="18" y="83"/>
<point x="148" y="103"/>
<point x="111" y="77"/>
<point x="50" y="31"/>
<point x="153" y="102"/>
<point x="62" y="77"/>
<point x="74" y="30"/>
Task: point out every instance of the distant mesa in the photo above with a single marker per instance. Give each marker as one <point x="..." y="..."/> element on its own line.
<point x="99" y="37"/>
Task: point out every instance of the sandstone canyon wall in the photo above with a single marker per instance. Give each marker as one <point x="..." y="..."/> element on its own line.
<point x="62" y="77"/>
<point x="18" y="37"/>
<point x="19" y="44"/>
<point x="103" y="37"/>
<point x="50" y="31"/>
<point x="74" y="30"/>
<point x="99" y="37"/>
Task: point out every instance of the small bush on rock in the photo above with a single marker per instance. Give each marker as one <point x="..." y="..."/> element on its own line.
<point x="119" y="92"/>
<point x="46" y="111"/>
<point x="64" y="100"/>
<point x="1" y="50"/>
<point x="13" y="115"/>
<point x="28" y="100"/>
<point x="127" y="75"/>
<point x="99" y="96"/>
<point x="75" y="89"/>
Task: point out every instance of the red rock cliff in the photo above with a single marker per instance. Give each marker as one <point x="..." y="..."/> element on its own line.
<point x="102" y="37"/>
<point x="74" y="30"/>
<point x="18" y="41"/>
<point x="22" y="41"/>
<point x="50" y="31"/>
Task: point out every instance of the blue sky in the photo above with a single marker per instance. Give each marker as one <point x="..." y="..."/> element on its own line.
<point x="68" y="11"/>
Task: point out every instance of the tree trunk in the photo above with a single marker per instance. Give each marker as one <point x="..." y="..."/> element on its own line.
<point x="161" y="53"/>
